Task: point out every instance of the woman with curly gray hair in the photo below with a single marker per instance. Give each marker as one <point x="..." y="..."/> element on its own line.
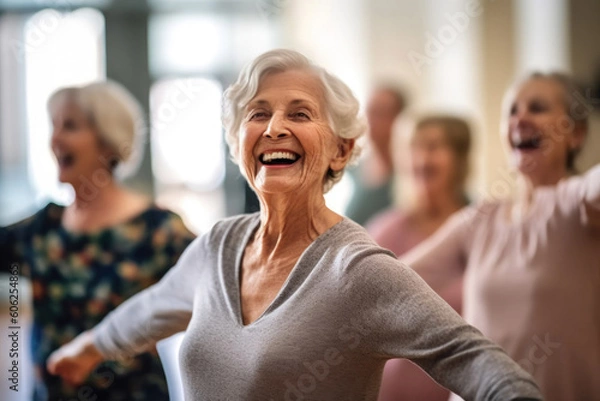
<point x="295" y="302"/>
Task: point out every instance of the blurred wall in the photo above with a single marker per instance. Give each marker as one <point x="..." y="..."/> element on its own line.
<point x="455" y="56"/>
<point x="585" y="65"/>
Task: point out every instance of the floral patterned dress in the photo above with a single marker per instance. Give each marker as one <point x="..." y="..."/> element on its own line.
<point x="78" y="279"/>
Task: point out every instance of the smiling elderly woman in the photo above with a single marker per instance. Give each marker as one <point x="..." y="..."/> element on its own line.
<point x="296" y="302"/>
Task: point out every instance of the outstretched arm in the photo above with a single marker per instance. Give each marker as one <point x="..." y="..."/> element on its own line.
<point x="406" y="319"/>
<point x="135" y="326"/>
<point x="441" y="259"/>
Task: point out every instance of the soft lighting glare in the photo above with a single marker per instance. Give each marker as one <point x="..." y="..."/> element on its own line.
<point x="338" y="197"/>
<point x="187" y="140"/>
<point x="187" y="44"/>
<point x="61" y="49"/>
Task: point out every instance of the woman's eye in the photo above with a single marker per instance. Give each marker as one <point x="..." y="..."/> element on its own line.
<point x="300" y="115"/>
<point x="513" y="110"/>
<point x="537" y="107"/>
<point x="258" y="115"/>
<point x="70" y="125"/>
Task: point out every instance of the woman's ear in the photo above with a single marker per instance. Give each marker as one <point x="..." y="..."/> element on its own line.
<point x="344" y="151"/>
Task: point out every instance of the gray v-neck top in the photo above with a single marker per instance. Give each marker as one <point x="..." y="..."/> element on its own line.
<point x="346" y="307"/>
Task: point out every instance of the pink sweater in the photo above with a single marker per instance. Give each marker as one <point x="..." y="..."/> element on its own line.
<point x="532" y="286"/>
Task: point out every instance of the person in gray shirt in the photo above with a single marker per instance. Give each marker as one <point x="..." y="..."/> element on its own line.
<point x="295" y="302"/>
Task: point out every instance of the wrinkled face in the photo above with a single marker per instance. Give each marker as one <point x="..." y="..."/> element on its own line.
<point x="381" y="112"/>
<point x="433" y="163"/>
<point x="286" y="143"/>
<point x="76" y="146"/>
<point x="539" y="132"/>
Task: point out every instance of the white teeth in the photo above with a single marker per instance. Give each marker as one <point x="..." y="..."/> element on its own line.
<point x="267" y="157"/>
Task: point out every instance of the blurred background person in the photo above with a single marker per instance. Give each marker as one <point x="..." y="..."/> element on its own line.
<point x="530" y="264"/>
<point x="373" y="178"/>
<point x="87" y="258"/>
<point x="436" y="170"/>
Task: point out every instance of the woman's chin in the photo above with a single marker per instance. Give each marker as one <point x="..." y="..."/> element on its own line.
<point x="274" y="189"/>
<point x="283" y="187"/>
<point x="276" y="183"/>
<point x="526" y="163"/>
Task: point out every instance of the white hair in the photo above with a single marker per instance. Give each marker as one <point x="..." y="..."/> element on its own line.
<point x="115" y="115"/>
<point x="341" y="105"/>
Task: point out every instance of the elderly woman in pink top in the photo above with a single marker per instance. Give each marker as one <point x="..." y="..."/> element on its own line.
<point x="436" y="170"/>
<point x="531" y="265"/>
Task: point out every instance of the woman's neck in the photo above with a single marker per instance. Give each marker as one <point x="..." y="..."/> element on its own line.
<point x="530" y="182"/>
<point x="96" y="197"/>
<point x="292" y="222"/>
<point x="526" y="187"/>
<point x="98" y="208"/>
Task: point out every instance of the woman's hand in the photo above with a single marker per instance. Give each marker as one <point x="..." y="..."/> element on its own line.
<point x="74" y="361"/>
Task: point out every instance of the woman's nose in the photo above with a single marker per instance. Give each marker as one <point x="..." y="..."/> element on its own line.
<point x="276" y="127"/>
<point x="56" y="137"/>
<point x="520" y="118"/>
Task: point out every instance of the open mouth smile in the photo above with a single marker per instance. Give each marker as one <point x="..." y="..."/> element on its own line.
<point x="65" y="159"/>
<point x="531" y="143"/>
<point x="278" y="158"/>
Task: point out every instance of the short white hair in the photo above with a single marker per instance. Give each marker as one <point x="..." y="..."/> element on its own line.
<point x="341" y="105"/>
<point x="115" y="115"/>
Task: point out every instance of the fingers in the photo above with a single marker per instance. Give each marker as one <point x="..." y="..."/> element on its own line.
<point x="52" y="364"/>
<point x="74" y="361"/>
<point x="68" y="368"/>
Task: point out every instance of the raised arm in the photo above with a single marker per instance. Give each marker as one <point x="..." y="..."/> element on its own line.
<point x="136" y="325"/>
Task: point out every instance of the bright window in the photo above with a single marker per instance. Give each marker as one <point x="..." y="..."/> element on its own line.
<point x="61" y="49"/>
<point x="187" y="43"/>
<point x="206" y="43"/>
<point x="187" y="142"/>
<point x="188" y="153"/>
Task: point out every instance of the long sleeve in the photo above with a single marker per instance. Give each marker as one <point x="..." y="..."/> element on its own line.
<point x="441" y="259"/>
<point x="155" y="313"/>
<point x="402" y="317"/>
<point x="346" y="308"/>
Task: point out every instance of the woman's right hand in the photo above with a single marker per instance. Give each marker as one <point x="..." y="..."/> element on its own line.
<point x="74" y="361"/>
